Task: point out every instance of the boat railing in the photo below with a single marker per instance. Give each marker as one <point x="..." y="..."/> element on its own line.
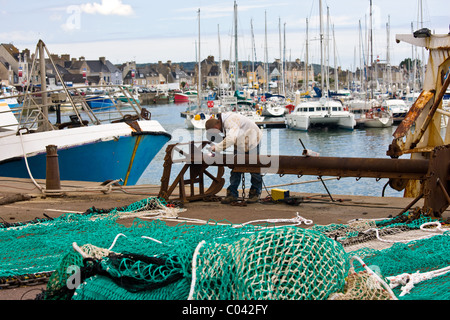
<point x="69" y="106"/>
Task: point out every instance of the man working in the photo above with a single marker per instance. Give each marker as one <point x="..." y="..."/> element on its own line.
<point x="244" y="135"/>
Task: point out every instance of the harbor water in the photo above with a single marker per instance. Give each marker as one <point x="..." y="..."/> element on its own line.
<point x="358" y="143"/>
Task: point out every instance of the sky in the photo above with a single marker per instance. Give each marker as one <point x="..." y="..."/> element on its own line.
<point x="150" y="31"/>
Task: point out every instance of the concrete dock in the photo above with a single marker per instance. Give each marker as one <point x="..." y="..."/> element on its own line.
<point x="21" y="200"/>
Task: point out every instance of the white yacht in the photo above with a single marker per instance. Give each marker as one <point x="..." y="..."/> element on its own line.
<point x="378" y="117"/>
<point x="322" y="112"/>
<point x="273" y="107"/>
<point x="359" y="107"/>
<point x="398" y="107"/>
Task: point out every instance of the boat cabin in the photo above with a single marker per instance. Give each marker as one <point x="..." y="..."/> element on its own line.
<point x="319" y="108"/>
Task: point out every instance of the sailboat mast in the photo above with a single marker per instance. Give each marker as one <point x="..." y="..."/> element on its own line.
<point x="361" y="61"/>
<point x="236" y="73"/>
<point x="321" y="48"/>
<point x="336" y="76"/>
<point x="371" y="53"/>
<point x="266" y="76"/>
<point x="283" y="73"/>
<point x="253" y="48"/>
<point x="327" y="50"/>
<point x="43" y="85"/>
<point x="388" y="53"/>
<point x="199" y="86"/>
<point x="307" y="58"/>
<point x="281" y="57"/>
<point x="220" y="61"/>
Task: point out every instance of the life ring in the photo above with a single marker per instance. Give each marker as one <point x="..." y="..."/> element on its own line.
<point x="290" y="107"/>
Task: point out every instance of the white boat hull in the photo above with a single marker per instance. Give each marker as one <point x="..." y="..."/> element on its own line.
<point x="90" y="153"/>
<point x="327" y="113"/>
<point x="195" y="124"/>
<point x="379" y="123"/>
<point x="273" y="111"/>
<point x="304" y="122"/>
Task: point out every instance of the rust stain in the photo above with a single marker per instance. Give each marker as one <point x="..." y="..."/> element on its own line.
<point x="414" y="112"/>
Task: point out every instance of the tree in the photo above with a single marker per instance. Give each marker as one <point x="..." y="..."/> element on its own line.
<point x="408" y="64"/>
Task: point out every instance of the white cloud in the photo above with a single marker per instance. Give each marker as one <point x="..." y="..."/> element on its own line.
<point x="20" y="36"/>
<point x="108" y="7"/>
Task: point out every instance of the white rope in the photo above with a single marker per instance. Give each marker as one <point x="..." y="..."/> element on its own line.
<point x="408" y="280"/>
<point x="295" y="221"/>
<point x="78" y="249"/>
<point x="105" y="189"/>
<point x="26" y="164"/>
<point x="422" y="227"/>
<point x="194" y="269"/>
<point x="438" y="228"/>
<point x="153" y="239"/>
<point x="376" y="276"/>
<point x="115" y="239"/>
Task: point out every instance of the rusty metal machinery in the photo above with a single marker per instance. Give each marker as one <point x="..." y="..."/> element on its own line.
<point x="197" y="164"/>
<point x="426" y="125"/>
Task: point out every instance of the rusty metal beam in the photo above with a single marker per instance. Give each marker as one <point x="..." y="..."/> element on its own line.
<point x="430" y="115"/>
<point x="330" y="166"/>
<point x="306" y="165"/>
<point x="437" y="187"/>
<point x="416" y="109"/>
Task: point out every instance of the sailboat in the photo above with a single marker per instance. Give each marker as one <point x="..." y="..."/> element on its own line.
<point x="88" y="147"/>
<point x="198" y="119"/>
<point x="325" y="111"/>
<point x="398" y="108"/>
<point x="244" y="103"/>
<point x="378" y="117"/>
<point x="273" y="106"/>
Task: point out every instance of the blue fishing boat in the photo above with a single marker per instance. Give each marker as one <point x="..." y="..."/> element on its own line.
<point x="88" y="147"/>
<point x="100" y="102"/>
<point x="99" y="153"/>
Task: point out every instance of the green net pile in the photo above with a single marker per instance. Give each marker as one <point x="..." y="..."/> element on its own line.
<point x="93" y="257"/>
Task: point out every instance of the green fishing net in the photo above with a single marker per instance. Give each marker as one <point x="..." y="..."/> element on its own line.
<point x="92" y="256"/>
